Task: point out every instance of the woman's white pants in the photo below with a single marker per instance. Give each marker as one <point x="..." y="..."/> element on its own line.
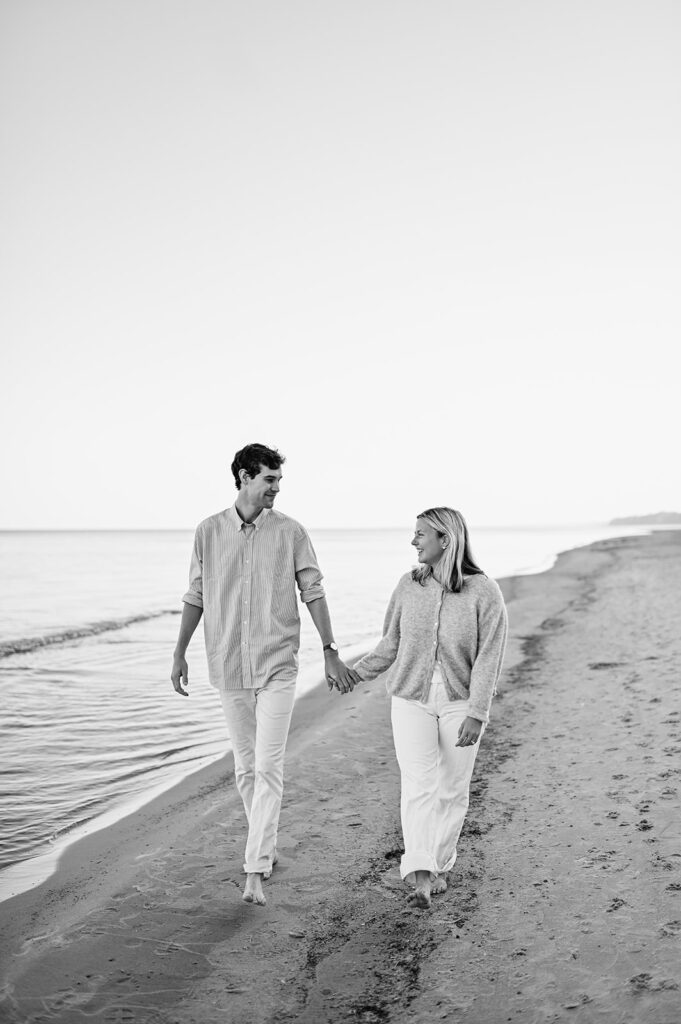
<point x="435" y="775"/>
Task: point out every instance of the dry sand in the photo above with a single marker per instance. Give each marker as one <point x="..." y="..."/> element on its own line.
<point x="565" y="904"/>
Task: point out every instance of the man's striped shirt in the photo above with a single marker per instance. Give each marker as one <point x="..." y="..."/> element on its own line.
<point x="244" y="576"/>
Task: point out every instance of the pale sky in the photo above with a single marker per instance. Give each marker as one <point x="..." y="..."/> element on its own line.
<point x="430" y="250"/>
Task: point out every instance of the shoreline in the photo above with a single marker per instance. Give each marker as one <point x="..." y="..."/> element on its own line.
<point x="33" y="871"/>
<point x="562" y="905"/>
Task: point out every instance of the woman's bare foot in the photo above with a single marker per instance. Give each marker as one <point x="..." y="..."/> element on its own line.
<point x="439" y="885"/>
<point x="420" y="897"/>
<point x="275" y="860"/>
<point x="253" y="890"/>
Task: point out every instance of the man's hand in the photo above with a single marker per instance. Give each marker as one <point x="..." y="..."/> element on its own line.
<point x="469" y="732"/>
<point x="180" y="672"/>
<point x="191" y="616"/>
<point x="338" y="674"/>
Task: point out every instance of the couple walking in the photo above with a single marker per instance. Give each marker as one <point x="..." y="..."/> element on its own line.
<point x="442" y="647"/>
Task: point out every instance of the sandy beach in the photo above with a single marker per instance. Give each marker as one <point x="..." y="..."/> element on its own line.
<point x="565" y="903"/>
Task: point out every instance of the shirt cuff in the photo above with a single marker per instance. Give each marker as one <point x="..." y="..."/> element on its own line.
<point x="482" y="716"/>
<point x="191" y="598"/>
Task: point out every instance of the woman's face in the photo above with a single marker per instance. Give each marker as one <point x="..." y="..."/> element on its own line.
<point x="428" y="543"/>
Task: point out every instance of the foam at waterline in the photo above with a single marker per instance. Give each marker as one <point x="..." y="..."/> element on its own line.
<point x="27" y="874"/>
<point x="24" y="645"/>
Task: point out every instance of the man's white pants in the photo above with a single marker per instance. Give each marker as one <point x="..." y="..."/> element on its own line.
<point x="258" y="723"/>
<point x="435" y="776"/>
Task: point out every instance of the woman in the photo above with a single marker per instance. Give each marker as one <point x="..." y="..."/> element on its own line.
<point x="442" y="647"/>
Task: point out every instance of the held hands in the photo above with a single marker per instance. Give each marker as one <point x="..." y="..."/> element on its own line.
<point x="469" y="732"/>
<point x="338" y="674"/>
<point x="180" y="672"/>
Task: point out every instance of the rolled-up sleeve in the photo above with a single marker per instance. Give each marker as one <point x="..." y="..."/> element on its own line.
<point x="308" y="574"/>
<point x="195" y="593"/>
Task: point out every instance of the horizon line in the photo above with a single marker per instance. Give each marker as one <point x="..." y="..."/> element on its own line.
<point x="404" y="526"/>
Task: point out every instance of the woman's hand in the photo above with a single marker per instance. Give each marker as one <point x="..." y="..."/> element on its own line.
<point x="469" y="732"/>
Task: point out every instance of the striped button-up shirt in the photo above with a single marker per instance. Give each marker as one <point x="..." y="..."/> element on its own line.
<point x="244" y="576"/>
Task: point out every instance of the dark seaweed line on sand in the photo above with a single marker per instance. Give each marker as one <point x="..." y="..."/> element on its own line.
<point x="25" y="645"/>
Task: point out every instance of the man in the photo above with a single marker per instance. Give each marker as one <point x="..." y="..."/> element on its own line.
<point x="245" y="566"/>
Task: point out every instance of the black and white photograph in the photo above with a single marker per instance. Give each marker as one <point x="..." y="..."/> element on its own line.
<point x="340" y="528"/>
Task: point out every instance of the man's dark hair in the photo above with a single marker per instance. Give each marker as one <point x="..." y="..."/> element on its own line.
<point x="252" y="457"/>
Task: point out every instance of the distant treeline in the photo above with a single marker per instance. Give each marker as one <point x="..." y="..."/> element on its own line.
<point x="655" y="517"/>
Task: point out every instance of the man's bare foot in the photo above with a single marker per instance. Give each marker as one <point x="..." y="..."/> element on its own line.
<point x="275" y="860"/>
<point x="439" y="885"/>
<point x="420" y="897"/>
<point x="253" y="889"/>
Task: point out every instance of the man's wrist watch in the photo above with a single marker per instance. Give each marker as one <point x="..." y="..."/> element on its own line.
<point x="331" y="647"/>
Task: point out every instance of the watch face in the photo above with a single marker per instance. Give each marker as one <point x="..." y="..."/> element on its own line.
<point x="331" y="647"/>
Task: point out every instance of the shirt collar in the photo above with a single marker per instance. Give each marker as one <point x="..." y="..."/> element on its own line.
<point x="237" y="522"/>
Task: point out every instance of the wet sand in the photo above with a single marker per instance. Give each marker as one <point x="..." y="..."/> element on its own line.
<point x="565" y="903"/>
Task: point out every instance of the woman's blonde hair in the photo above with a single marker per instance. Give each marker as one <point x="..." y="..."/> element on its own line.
<point x="457" y="558"/>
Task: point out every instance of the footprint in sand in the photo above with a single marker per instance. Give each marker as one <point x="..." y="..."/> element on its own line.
<point x="646" y="983"/>
<point x="670" y="929"/>
<point x="120" y="1015"/>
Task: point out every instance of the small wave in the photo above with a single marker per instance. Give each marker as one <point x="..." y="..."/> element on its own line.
<point x="27" y="644"/>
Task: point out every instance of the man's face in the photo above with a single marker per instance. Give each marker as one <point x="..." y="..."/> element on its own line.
<point x="262" y="489"/>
